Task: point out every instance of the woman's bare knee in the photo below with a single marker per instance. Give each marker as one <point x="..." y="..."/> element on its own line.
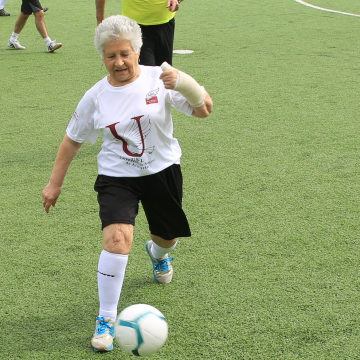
<point x="118" y="238"/>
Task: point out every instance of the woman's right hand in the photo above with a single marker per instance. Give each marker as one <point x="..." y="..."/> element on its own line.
<point x="50" y="195"/>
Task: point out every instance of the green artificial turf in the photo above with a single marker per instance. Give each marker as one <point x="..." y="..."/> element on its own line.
<point x="271" y="188"/>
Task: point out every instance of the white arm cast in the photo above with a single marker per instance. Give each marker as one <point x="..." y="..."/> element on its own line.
<point x="188" y="87"/>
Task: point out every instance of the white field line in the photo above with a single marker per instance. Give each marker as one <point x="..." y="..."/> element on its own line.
<point x="324" y="9"/>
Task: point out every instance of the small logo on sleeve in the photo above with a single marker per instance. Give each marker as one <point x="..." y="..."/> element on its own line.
<point x="75" y="116"/>
<point x="151" y="97"/>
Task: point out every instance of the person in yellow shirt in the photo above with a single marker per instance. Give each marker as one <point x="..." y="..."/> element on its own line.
<point x="157" y="22"/>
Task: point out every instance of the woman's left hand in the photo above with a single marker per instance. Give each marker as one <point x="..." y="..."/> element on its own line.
<point x="169" y="78"/>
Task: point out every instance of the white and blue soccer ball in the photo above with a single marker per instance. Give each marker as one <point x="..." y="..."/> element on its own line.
<point x="141" y="329"/>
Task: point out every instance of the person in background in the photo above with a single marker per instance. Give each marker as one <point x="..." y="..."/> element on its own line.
<point x="157" y="22"/>
<point x="4" y="13"/>
<point x="27" y="8"/>
<point x="139" y="160"/>
<point x="2" y="8"/>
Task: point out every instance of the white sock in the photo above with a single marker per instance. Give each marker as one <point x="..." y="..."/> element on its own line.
<point x="14" y="36"/>
<point x="160" y="252"/>
<point x="111" y="273"/>
<point x="47" y="40"/>
<point x="2" y="4"/>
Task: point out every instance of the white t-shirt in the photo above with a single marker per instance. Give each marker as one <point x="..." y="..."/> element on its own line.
<point x="135" y="123"/>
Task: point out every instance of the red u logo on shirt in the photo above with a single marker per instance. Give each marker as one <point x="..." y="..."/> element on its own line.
<point x="133" y="139"/>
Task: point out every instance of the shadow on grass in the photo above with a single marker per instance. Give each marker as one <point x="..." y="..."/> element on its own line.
<point x="12" y="52"/>
<point x="67" y="332"/>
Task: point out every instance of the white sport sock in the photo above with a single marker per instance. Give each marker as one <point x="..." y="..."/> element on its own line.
<point x="160" y="252"/>
<point x="2" y="4"/>
<point x="47" y="40"/>
<point x="14" y="36"/>
<point x="111" y="273"/>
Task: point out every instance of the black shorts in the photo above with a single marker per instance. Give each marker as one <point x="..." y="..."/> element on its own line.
<point x="160" y="195"/>
<point x="30" y="6"/>
<point x="158" y="42"/>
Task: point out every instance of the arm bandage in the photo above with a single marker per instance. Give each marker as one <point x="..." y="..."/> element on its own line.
<point x="188" y="87"/>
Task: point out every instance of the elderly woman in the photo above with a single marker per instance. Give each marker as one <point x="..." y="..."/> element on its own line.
<point x="139" y="159"/>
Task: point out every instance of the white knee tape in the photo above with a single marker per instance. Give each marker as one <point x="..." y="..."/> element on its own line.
<point x="188" y="86"/>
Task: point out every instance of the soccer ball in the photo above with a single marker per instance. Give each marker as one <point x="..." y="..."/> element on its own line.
<point x="141" y="329"/>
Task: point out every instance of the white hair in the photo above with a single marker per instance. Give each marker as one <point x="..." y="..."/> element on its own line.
<point x="117" y="27"/>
